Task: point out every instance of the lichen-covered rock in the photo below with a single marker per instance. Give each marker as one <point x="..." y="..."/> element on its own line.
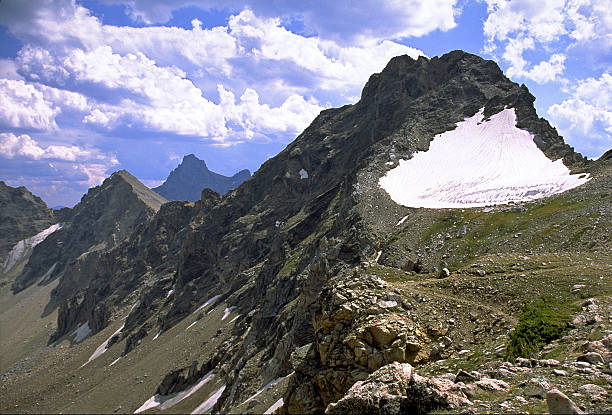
<point x="395" y="389"/>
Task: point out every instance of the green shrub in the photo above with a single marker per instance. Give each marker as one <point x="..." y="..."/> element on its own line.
<point x="540" y="323"/>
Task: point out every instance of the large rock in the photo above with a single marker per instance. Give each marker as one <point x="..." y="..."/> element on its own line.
<point x="558" y="403"/>
<point x="395" y="389"/>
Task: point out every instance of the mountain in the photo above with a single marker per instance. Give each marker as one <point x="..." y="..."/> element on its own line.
<point x="103" y="218"/>
<point x="187" y="181"/>
<point x="314" y="287"/>
<point x="22" y="215"/>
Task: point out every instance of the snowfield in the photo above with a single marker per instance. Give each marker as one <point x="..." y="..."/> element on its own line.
<point x="479" y="163"/>
<point x="25" y="246"/>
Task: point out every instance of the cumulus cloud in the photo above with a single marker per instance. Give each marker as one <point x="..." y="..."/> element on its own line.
<point x="549" y="26"/>
<point x="590" y="102"/>
<point x="587" y="113"/>
<point x="112" y="74"/>
<point x="23" y="145"/>
<point x="23" y="106"/>
<point x="339" y="20"/>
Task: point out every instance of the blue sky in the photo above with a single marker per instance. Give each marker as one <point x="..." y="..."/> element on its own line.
<point x="89" y="87"/>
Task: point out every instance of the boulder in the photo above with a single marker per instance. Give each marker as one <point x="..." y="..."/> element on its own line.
<point x="395" y="389"/>
<point x="558" y="403"/>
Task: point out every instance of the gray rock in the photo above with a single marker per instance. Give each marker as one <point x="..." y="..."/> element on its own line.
<point x="558" y="403"/>
<point x="591" y="357"/>
<point x="592" y="390"/>
<point x="395" y="389"/>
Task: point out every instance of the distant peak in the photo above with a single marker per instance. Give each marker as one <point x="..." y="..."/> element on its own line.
<point x="192" y="160"/>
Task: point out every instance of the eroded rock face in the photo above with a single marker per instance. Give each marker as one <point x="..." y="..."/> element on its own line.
<point x="22" y="215"/>
<point x="397" y="389"/>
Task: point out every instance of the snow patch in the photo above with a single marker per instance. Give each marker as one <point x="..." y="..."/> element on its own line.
<point x="303" y="174"/>
<point x="378" y="256"/>
<point x="102" y="348"/>
<point x="207" y="303"/>
<point x="157" y="335"/>
<point x="168" y="401"/>
<point x="170" y="293"/>
<point x="115" y="361"/>
<point x="208" y="404"/>
<point x="48" y="273"/>
<point x="192" y="324"/>
<point x="274" y="406"/>
<point x="479" y="163"/>
<point x="82" y="332"/>
<point x="235" y="318"/>
<point x="266" y="387"/>
<point x="23" y="248"/>
<point x="402" y="220"/>
<point x="227" y="312"/>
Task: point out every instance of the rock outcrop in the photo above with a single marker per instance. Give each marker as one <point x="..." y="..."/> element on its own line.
<point x="187" y="181"/>
<point x="396" y="389"/>
<point x="22" y="215"/>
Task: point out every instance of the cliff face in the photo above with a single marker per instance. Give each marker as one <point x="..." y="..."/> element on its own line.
<point x="22" y="215"/>
<point x="187" y="181"/>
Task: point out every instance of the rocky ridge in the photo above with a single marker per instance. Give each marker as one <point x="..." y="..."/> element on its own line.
<point x="328" y="280"/>
<point x="187" y="181"/>
<point x="102" y="219"/>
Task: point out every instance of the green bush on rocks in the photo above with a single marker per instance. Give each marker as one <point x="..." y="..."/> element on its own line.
<point x="540" y="323"/>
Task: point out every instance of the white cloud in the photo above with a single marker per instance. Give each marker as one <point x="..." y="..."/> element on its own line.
<point x="292" y="116"/>
<point x="590" y="102"/>
<point x="340" y="20"/>
<point x="23" y="106"/>
<point x="155" y="96"/>
<point x="23" y="145"/>
<point x="549" y="26"/>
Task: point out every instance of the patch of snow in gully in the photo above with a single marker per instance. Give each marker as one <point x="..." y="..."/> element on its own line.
<point x="23" y="247"/>
<point x="274" y="406"/>
<point x="207" y="405"/>
<point x="207" y="303"/>
<point x="168" y="401"/>
<point x="227" y="312"/>
<point x="266" y="387"/>
<point x="479" y="163"/>
<point x="102" y="348"/>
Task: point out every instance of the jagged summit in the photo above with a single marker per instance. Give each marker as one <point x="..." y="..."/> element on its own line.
<point x="187" y="181"/>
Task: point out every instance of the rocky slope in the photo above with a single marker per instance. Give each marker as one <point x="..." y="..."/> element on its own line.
<point x="308" y="278"/>
<point x="187" y="181"/>
<point x="103" y="218"/>
<point x="22" y="215"/>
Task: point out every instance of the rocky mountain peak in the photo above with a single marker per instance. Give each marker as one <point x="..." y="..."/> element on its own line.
<point x="103" y="218"/>
<point x="187" y="181"/>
